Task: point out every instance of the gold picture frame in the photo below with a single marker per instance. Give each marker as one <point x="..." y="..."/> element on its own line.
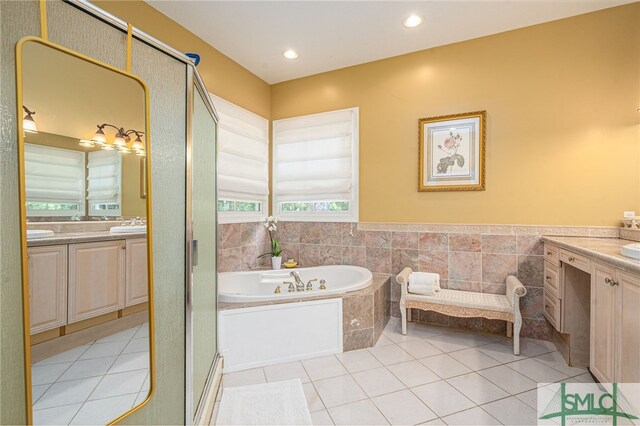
<point x="452" y="152"/>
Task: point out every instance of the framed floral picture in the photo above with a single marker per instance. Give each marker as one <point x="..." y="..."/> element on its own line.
<point x="452" y="152"/>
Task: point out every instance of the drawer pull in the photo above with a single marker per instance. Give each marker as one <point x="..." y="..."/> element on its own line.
<point x="548" y="308"/>
<point x="548" y="253"/>
<point x="571" y="259"/>
<point x="610" y="282"/>
<point x="548" y="278"/>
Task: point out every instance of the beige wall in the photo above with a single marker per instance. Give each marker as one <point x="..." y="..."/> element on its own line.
<point x="563" y="134"/>
<point x="221" y="75"/>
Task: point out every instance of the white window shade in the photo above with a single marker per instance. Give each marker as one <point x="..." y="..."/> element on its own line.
<point x="54" y="175"/>
<point x="104" y="176"/>
<point x="315" y="158"/>
<point x="243" y="153"/>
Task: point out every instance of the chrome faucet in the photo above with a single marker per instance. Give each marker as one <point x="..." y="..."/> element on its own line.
<point x="299" y="282"/>
<point x="310" y="284"/>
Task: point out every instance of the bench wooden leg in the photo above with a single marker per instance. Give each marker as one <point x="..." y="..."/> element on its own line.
<point x="509" y="326"/>
<point x="409" y="314"/>
<point x="403" y="314"/>
<point x="517" y="325"/>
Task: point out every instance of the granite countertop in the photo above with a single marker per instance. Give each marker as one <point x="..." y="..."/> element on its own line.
<point x="378" y="281"/>
<point x="606" y="250"/>
<point x="82" y="237"/>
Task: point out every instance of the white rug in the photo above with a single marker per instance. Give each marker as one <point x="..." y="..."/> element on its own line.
<point x="279" y="403"/>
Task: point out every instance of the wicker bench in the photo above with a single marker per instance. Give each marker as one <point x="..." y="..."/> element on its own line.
<point x="467" y="304"/>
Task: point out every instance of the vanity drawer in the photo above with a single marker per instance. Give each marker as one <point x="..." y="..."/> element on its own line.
<point x="551" y="254"/>
<point x="552" y="279"/>
<point x="552" y="309"/>
<point x="581" y="262"/>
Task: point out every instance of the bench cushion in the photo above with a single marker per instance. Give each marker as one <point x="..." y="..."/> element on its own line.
<point x="466" y="299"/>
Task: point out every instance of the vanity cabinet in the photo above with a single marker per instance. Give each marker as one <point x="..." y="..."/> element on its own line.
<point x="96" y="279"/>
<point x="136" y="272"/>
<point x="615" y="325"/>
<point x="47" y="287"/>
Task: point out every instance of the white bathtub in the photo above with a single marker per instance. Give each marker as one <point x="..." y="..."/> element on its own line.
<point x="255" y="286"/>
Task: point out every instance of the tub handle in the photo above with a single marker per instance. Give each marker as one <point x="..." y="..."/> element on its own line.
<point x="322" y="285"/>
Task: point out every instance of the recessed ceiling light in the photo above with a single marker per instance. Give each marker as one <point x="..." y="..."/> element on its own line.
<point x="290" y="54"/>
<point x="412" y="21"/>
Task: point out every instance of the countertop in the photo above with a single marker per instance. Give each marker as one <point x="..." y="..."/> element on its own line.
<point x="82" y="237"/>
<point x="606" y="250"/>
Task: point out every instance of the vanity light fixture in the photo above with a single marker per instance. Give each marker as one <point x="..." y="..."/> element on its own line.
<point x="121" y="141"/>
<point x="28" y="123"/>
<point x="290" y="54"/>
<point x="86" y="143"/>
<point x="412" y="21"/>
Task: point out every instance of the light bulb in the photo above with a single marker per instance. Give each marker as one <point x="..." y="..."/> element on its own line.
<point x="108" y="147"/>
<point x="290" y="54"/>
<point x="86" y="143"/>
<point x="412" y="21"/>
<point x="28" y="124"/>
<point x="99" y="137"/>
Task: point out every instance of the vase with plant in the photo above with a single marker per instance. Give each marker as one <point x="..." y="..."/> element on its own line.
<point x="271" y="223"/>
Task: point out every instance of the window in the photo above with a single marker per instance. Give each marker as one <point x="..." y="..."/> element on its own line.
<point x="315" y="167"/>
<point x="104" y="192"/>
<point x="54" y="181"/>
<point x="243" y="163"/>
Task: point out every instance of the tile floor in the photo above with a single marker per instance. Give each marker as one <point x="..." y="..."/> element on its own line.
<point x="433" y="375"/>
<point x="95" y="383"/>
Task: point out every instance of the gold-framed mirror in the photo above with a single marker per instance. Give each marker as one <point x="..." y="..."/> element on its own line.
<point x="85" y="212"/>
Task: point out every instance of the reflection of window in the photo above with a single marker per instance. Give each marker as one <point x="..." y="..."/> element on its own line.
<point x="104" y="192"/>
<point x="243" y="163"/>
<point x="54" y="181"/>
<point x="315" y="167"/>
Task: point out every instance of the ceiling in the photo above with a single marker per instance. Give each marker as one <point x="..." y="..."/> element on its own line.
<point x="329" y="35"/>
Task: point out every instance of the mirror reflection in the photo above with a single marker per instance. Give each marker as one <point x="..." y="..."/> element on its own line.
<point x="84" y="178"/>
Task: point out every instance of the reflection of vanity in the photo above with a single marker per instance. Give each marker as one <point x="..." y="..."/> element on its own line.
<point x="88" y="275"/>
<point x="592" y="298"/>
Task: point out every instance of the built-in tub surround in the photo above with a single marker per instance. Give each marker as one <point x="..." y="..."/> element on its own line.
<point x="467" y="257"/>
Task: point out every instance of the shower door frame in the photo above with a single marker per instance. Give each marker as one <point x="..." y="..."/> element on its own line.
<point x="194" y="81"/>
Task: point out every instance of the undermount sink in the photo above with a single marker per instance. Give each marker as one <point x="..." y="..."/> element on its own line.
<point x="631" y="250"/>
<point x="128" y="229"/>
<point x="38" y="233"/>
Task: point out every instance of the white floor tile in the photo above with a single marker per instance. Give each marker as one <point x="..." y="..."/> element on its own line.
<point x="147" y="384"/>
<point x="434" y="422"/>
<point x="544" y="343"/>
<point x="445" y="366"/>
<point x="66" y="393"/>
<point x="37" y="391"/>
<point x="529" y="347"/>
<point x="141" y="397"/>
<point x="383" y="341"/>
<point x="61" y="415"/>
<point x="442" y="398"/>
<point x="143" y="331"/>
<point x="45" y="374"/>
<point x="119" y="384"/>
<point x="419" y="348"/>
<point x="103" y="411"/>
<point x="403" y="408"/>
<point x="68" y="356"/>
<point x="339" y="390"/>
<point x="286" y="371"/>
<point x="322" y="368"/>
<point x="473" y="417"/>
<point x="583" y="378"/>
<point x="474" y="339"/>
<point x="477" y="388"/>
<point x="254" y="376"/>
<point x="137" y="345"/>
<point x="359" y="360"/>
<point x="447" y="343"/>
<point x="391" y="354"/>
<point x="98" y="350"/>
<point x="529" y="397"/>
<point x="426" y="331"/>
<point x="557" y="362"/>
<point x="313" y="399"/>
<point x="321" y="418"/>
<point x="88" y="368"/>
<point x="413" y="373"/>
<point x="122" y="335"/>
<point x="508" y="379"/>
<point x="537" y="371"/>
<point x="357" y="413"/>
<point x="512" y="411"/>
<point x="130" y="362"/>
<point x="377" y="381"/>
<point x="500" y="352"/>
<point x="474" y="359"/>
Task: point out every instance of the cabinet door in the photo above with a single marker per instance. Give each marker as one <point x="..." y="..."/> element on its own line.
<point x="628" y="328"/>
<point x="602" y="322"/>
<point x="96" y="279"/>
<point x="137" y="278"/>
<point x="47" y="287"/>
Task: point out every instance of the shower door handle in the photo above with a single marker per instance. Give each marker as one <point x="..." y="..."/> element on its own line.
<point x="194" y="253"/>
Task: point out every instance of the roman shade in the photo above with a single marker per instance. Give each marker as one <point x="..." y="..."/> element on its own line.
<point x="104" y="176"/>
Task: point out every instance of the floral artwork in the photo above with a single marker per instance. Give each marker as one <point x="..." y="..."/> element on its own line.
<point x="452" y="152"/>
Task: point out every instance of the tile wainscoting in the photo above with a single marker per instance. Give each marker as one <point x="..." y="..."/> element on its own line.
<point x="467" y="257"/>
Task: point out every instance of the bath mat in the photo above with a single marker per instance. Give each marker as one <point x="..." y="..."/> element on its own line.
<point x="279" y="403"/>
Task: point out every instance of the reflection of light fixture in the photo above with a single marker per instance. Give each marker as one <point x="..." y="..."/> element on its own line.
<point x="290" y="54"/>
<point x="28" y="123"/>
<point x="412" y="21"/>
<point x="121" y="140"/>
<point x="86" y="143"/>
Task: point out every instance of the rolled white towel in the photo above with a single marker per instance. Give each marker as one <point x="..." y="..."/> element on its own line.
<point x="425" y="283"/>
